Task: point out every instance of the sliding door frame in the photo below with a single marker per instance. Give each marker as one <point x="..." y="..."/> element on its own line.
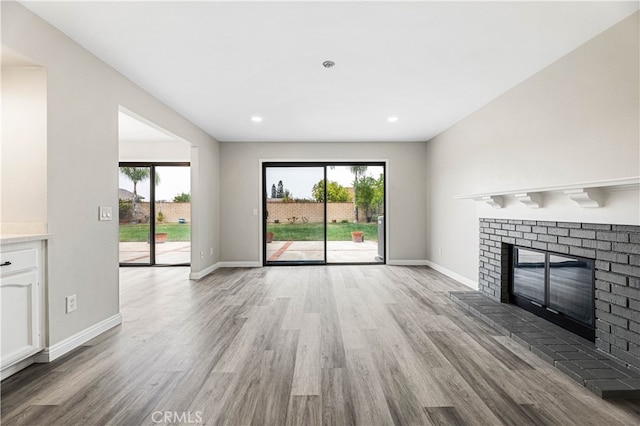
<point x="152" y="207"/>
<point x="325" y="164"/>
<point x="291" y="164"/>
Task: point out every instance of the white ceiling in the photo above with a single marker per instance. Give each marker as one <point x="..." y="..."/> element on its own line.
<point x="428" y="63"/>
<point x="131" y="129"/>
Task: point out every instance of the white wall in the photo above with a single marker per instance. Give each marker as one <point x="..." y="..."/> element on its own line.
<point x="141" y="141"/>
<point x="155" y="151"/>
<point x="240" y="193"/>
<point x="575" y="121"/>
<point x="24" y="147"/>
<point x="83" y="98"/>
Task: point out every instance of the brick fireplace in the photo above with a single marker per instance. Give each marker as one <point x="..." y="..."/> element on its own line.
<point x="615" y="250"/>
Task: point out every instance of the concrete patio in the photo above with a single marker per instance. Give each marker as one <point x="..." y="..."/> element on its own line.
<point x="179" y="252"/>
<point x="167" y="253"/>
<point x="337" y="251"/>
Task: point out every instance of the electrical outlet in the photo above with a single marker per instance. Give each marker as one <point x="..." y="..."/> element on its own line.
<point x="211" y="251"/>
<point x="440" y="251"/>
<point x="72" y="303"/>
<point x="201" y="254"/>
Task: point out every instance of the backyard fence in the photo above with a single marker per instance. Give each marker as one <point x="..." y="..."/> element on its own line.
<point x="171" y="212"/>
<point x="278" y="210"/>
<point x="284" y="212"/>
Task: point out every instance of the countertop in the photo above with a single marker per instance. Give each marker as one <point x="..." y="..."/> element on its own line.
<point x="22" y="238"/>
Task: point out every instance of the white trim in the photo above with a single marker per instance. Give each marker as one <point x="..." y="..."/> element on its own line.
<point x="196" y="236"/>
<point x="495" y="201"/>
<point x="407" y="262"/>
<point x="203" y="273"/>
<point x="610" y="184"/>
<point x="70" y="343"/>
<point x="12" y="369"/>
<point x="240" y="264"/>
<point x="586" y="197"/>
<point x="464" y="280"/>
<point x="533" y="200"/>
<point x="208" y="270"/>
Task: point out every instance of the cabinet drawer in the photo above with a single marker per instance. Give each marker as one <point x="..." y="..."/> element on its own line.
<point x="13" y="261"/>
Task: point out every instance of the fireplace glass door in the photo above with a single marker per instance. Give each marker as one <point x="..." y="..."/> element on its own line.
<point x="571" y="288"/>
<point x="529" y="275"/>
<point x="559" y="288"/>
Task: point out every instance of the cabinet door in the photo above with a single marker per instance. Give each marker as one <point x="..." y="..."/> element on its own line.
<point x="20" y="322"/>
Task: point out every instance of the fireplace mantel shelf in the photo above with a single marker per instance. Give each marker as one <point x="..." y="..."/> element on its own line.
<point x="586" y="194"/>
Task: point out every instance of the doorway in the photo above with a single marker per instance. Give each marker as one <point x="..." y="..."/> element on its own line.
<point x="323" y="213"/>
<point x="155" y="219"/>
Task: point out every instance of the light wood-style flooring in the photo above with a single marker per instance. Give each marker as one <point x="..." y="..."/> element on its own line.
<point x="318" y="345"/>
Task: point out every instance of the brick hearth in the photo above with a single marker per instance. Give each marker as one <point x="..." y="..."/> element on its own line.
<point x="616" y="250"/>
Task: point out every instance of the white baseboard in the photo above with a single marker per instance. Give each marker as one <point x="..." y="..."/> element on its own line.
<point x="70" y="343"/>
<point x="14" y="368"/>
<point x="405" y="262"/>
<point x="464" y="280"/>
<point x="398" y="262"/>
<point x="206" y="271"/>
<point x="242" y="264"/>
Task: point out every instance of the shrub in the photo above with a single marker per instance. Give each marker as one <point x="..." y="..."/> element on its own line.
<point x="125" y="210"/>
<point x="182" y="198"/>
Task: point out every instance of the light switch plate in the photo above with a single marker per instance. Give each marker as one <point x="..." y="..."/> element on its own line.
<point x="105" y="213"/>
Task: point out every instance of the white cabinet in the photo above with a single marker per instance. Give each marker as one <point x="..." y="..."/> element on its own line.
<point x="21" y="298"/>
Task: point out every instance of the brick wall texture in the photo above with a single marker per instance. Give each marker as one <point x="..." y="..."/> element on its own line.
<point x="171" y="211"/>
<point x="313" y="211"/>
<point x="616" y="250"/>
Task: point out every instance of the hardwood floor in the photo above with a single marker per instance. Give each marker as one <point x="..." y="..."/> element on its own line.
<point x="335" y="345"/>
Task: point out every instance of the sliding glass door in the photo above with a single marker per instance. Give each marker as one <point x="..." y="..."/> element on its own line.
<point x="295" y="223"/>
<point x="135" y="214"/>
<point x="317" y="213"/>
<point x="155" y="220"/>
<point x="355" y="205"/>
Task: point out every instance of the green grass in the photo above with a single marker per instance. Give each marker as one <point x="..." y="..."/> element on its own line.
<point x="140" y="232"/>
<point x="281" y="231"/>
<point x="315" y="231"/>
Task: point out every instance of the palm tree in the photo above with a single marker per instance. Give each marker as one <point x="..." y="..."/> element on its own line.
<point x="357" y="171"/>
<point x="135" y="175"/>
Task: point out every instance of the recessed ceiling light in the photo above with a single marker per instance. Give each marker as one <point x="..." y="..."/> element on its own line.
<point x="256" y="119"/>
<point x="392" y="119"/>
<point x="328" y="64"/>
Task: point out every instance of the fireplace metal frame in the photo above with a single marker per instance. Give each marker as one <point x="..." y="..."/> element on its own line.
<point x="588" y="331"/>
